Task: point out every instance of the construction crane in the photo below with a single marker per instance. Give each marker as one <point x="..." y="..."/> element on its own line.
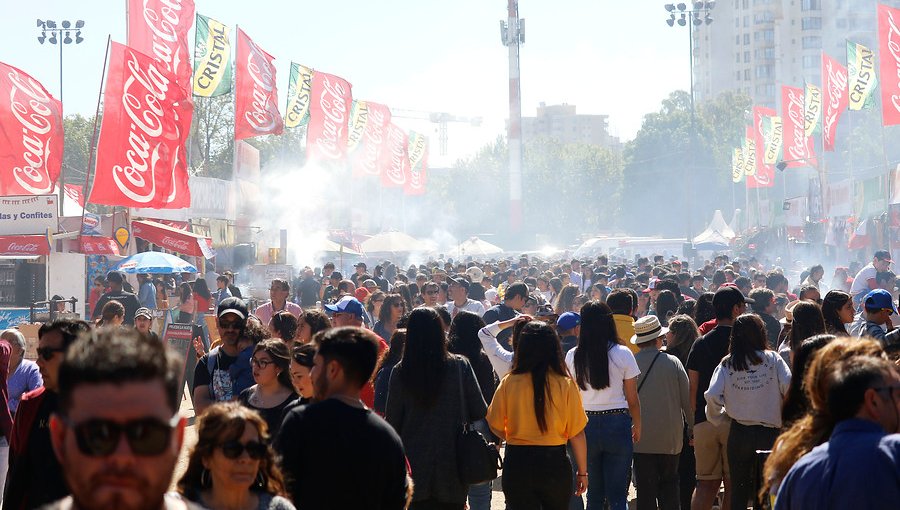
<point x="439" y="118"/>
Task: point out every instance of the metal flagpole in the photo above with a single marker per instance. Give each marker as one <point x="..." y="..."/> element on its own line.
<point x="92" y="150"/>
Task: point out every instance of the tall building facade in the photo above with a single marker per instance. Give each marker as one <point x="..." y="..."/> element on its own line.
<point x="755" y="46"/>
<point x="562" y="123"/>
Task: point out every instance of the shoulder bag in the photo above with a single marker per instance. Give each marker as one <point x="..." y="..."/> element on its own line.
<point x="648" y="371"/>
<point x="477" y="460"/>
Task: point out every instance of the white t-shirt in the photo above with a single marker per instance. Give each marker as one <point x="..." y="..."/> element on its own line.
<point x="622" y="365"/>
<point x="861" y="282"/>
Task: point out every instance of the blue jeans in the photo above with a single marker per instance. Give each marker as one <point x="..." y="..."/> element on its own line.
<point x="480" y="496"/>
<point x="609" y="451"/>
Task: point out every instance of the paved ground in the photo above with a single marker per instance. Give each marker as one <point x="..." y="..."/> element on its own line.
<point x="190" y="439"/>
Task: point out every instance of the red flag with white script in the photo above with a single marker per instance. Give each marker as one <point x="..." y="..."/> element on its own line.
<point x="395" y="158"/>
<point x="835" y="98"/>
<point x="256" y="104"/>
<point x="765" y="174"/>
<point x="889" y="53"/>
<point x="31" y="135"/>
<point x="329" y="116"/>
<point x="160" y="28"/>
<point x="797" y="146"/>
<point x="75" y="193"/>
<point x="146" y="120"/>
<point x="374" y="141"/>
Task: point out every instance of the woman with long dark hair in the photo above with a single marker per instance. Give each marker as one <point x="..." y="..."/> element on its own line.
<point x="537" y="410"/>
<point x="386" y="367"/>
<point x="606" y="374"/>
<point x="796" y="404"/>
<point x="202" y="296"/>
<point x="837" y="310"/>
<point x="391" y="312"/>
<point x="807" y="322"/>
<point x="565" y="300"/>
<point x="310" y="323"/>
<point x="749" y="384"/>
<point x="274" y="389"/>
<point x="666" y="306"/>
<point x="425" y="407"/>
<point x="704" y="311"/>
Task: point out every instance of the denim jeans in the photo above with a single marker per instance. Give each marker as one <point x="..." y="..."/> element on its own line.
<point x="480" y="496"/>
<point x="609" y="450"/>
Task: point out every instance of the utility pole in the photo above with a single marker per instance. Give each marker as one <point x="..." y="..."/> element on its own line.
<point x="512" y="33"/>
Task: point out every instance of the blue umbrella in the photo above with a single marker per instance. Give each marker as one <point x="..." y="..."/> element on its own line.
<point x="154" y="262"/>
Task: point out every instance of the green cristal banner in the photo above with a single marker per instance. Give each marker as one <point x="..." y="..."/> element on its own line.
<point x="299" y="87"/>
<point x="737" y="165"/>
<point x="773" y="131"/>
<point x="417" y="147"/>
<point x="862" y="80"/>
<point x="212" y="58"/>
<point x="812" y="111"/>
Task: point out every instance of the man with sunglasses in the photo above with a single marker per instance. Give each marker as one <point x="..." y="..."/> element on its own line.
<point x="117" y="431"/>
<point x="212" y="375"/>
<point x="859" y="465"/>
<point x="337" y="453"/>
<point x="35" y="477"/>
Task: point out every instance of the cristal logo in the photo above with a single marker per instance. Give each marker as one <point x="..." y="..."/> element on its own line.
<point x="837" y="84"/>
<point x="395" y="171"/>
<point x="34" y="111"/>
<point x="333" y="103"/>
<point x="797" y="150"/>
<point x="261" y="118"/>
<point x="137" y="180"/>
<point x="175" y="244"/>
<point x="893" y="44"/>
<point x="164" y="26"/>
<point x="22" y="248"/>
<point x="374" y="137"/>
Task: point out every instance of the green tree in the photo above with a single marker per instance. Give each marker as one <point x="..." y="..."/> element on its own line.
<point x="212" y="136"/>
<point x="78" y="131"/>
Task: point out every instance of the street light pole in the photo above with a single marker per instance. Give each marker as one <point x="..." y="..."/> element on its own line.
<point x="697" y="15"/>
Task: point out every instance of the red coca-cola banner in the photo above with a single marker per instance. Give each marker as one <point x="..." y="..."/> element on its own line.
<point x="374" y="140"/>
<point x="797" y="147"/>
<point x="75" y="193"/>
<point x="146" y="120"/>
<point x="91" y="245"/>
<point x="31" y="135"/>
<point x="889" y="53"/>
<point x="171" y="238"/>
<point x="160" y="28"/>
<point x="24" y="246"/>
<point x="765" y="174"/>
<point x="835" y="98"/>
<point x="395" y="158"/>
<point x="256" y="104"/>
<point x="329" y="114"/>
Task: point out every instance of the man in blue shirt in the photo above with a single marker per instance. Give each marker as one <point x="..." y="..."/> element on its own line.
<point x="859" y="467"/>
<point x="146" y="291"/>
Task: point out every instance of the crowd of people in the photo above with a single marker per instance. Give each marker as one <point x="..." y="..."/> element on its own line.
<point x="718" y="385"/>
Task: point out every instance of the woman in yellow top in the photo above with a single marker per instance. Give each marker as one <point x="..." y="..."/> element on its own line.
<point x="537" y="409"/>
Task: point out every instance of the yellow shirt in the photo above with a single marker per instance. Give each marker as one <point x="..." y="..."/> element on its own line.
<point x="625" y="329"/>
<point x="512" y="411"/>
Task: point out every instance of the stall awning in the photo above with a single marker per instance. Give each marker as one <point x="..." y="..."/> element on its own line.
<point x="186" y="243"/>
<point x="24" y="246"/>
<point x="94" y="245"/>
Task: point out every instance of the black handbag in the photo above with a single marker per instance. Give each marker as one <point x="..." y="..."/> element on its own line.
<point x="477" y="459"/>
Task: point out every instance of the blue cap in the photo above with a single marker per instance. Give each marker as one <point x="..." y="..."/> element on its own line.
<point x="880" y="299"/>
<point x="568" y="321"/>
<point x="347" y="304"/>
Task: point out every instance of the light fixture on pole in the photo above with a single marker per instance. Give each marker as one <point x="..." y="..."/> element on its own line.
<point x="696" y="14"/>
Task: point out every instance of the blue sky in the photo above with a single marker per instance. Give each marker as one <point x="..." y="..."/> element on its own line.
<point x="607" y="57"/>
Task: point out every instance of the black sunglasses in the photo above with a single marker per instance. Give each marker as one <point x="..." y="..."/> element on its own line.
<point x="234" y="449"/>
<point x="48" y="352"/>
<point x="146" y="437"/>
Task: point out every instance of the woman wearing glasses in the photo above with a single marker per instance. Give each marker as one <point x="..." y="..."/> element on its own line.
<point x="273" y="390"/>
<point x="232" y="465"/>
<point x="392" y="309"/>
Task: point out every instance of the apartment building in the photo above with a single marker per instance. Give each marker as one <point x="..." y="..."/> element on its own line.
<point x="562" y="123"/>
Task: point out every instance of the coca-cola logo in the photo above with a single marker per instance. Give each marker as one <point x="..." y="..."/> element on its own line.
<point x="143" y="96"/>
<point x="164" y="21"/>
<point x="837" y="84"/>
<point x="15" y="247"/>
<point x="333" y="104"/>
<point x="399" y="160"/>
<point x="893" y="44"/>
<point x="175" y="244"/>
<point x="262" y="115"/>
<point x="37" y="115"/>
<point x="797" y="149"/>
<point x="374" y="136"/>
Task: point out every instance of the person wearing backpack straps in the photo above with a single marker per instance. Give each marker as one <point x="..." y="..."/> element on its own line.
<point x="212" y="381"/>
<point x="665" y="397"/>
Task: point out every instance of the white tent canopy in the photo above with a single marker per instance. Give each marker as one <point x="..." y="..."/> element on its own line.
<point x="392" y="242"/>
<point x="717" y="236"/>
<point x="475" y="247"/>
<point x="329" y="246"/>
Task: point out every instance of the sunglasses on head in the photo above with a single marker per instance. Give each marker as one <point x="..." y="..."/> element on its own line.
<point x="47" y="352"/>
<point x="234" y="449"/>
<point x="146" y="437"/>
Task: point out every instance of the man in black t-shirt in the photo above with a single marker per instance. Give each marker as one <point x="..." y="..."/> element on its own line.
<point x="711" y="441"/>
<point x="212" y="378"/>
<point x="513" y="301"/>
<point x="308" y="289"/>
<point x="130" y="301"/>
<point x="316" y="440"/>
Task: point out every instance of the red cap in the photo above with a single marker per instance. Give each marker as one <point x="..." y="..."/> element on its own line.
<point x="362" y="293"/>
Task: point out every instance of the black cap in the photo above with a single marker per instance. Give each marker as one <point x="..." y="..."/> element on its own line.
<point x="233" y="305"/>
<point x="462" y="282"/>
<point x="728" y="297"/>
<point x="337" y="275"/>
<point x="114" y="276"/>
<point x="361" y="264"/>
